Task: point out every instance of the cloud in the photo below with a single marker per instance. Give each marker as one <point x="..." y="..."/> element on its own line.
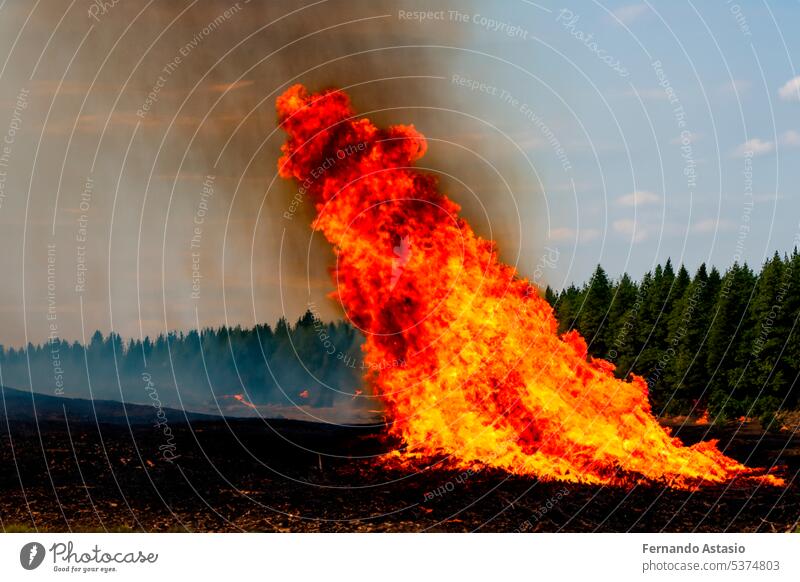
<point x="630" y="12"/>
<point x="754" y="147"/>
<point x="790" y="138"/>
<point x="566" y="234"/>
<point x="562" y="233"/>
<point x="638" y="198"/>
<point x="589" y="234"/>
<point x="711" y="225"/>
<point x="790" y="90"/>
<point x="629" y="228"/>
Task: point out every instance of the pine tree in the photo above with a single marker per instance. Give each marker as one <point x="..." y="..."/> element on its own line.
<point x="622" y="318"/>
<point x="727" y="394"/>
<point x="688" y="327"/>
<point x="791" y="354"/>
<point x="570" y="301"/>
<point x="651" y="331"/>
<point x="592" y="317"/>
<point x="550" y="296"/>
<point x="767" y="376"/>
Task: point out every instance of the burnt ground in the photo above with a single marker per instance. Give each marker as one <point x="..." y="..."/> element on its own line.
<point x="247" y="475"/>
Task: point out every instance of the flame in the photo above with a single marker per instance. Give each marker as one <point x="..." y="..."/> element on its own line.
<point x="243" y="400"/>
<point x="463" y="352"/>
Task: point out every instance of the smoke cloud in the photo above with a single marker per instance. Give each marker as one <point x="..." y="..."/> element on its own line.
<point x="138" y="186"/>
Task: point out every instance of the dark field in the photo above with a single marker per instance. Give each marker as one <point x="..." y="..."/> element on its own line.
<point x="248" y="475"/>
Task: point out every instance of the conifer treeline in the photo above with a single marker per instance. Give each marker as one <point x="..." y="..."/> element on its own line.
<point x="310" y="363"/>
<point x="725" y="344"/>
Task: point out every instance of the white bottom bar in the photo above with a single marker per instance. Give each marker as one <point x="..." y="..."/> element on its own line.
<point x="415" y="557"/>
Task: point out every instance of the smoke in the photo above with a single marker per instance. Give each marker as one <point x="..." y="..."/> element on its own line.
<point x="140" y="194"/>
<point x="133" y="110"/>
<point x="309" y="370"/>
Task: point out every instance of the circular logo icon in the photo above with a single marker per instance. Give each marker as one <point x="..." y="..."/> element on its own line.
<point x="31" y="555"/>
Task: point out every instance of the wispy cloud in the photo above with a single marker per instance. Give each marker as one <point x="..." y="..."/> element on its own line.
<point x="562" y="234"/>
<point x="790" y="90"/>
<point x="629" y="228"/>
<point x="638" y="198"/>
<point x="589" y="234"/>
<point x="754" y="147"/>
<point x="790" y="138"/>
<point x="631" y="12"/>
<point x="711" y="225"/>
<point x="566" y="234"/>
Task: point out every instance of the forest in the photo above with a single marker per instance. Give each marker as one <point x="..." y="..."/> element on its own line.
<point x="721" y="344"/>
<point x="219" y="370"/>
<point x="708" y="344"/>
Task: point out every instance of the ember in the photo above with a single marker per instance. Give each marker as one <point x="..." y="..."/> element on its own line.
<point x="464" y="352"/>
<point x="243" y="400"/>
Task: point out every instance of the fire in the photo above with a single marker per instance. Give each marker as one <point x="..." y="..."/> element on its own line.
<point x="243" y="400"/>
<point x="464" y="352"/>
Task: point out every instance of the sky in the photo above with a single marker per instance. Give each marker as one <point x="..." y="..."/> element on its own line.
<point x="680" y="123"/>
<point x="138" y="188"/>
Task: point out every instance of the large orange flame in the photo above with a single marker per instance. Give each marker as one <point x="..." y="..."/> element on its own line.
<point x="463" y="352"/>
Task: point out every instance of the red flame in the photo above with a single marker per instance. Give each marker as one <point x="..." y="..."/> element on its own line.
<point x="704" y="418"/>
<point x="463" y="352"/>
<point x="243" y="400"/>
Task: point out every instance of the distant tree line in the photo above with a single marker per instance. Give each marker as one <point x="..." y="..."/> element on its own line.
<point x="310" y="363"/>
<point x="722" y="344"/>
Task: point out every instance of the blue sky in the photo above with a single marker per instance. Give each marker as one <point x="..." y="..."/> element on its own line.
<point x="644" y="97"/>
